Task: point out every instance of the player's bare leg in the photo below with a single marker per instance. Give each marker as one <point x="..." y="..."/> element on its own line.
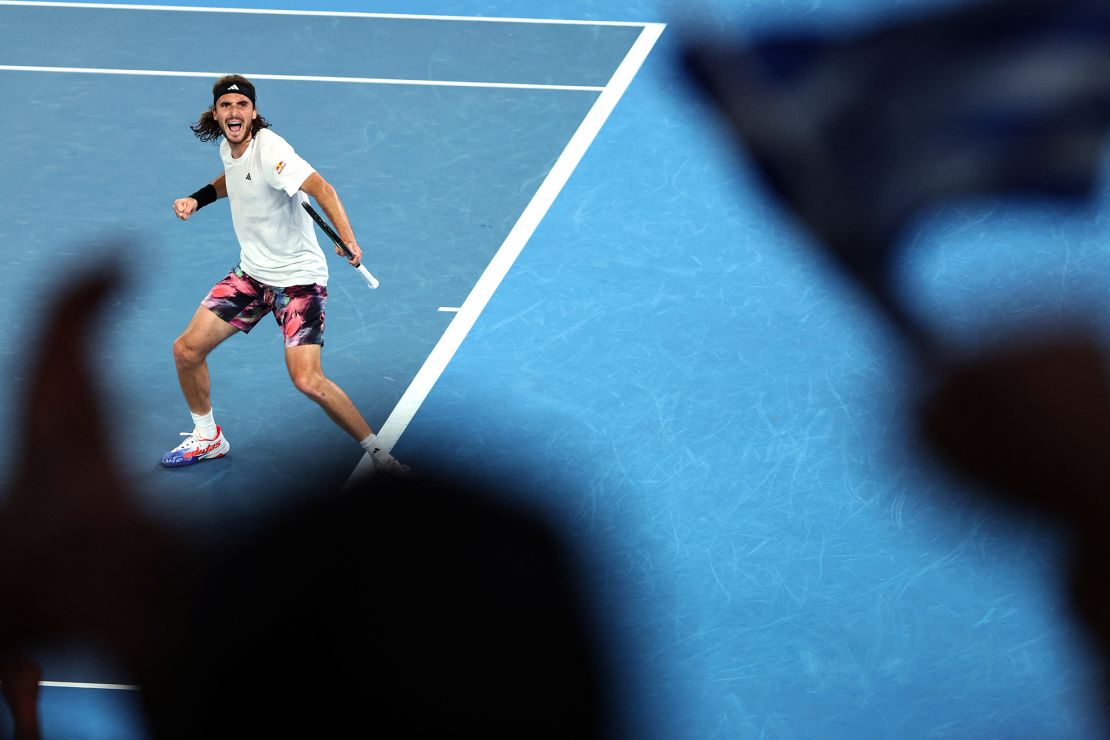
<point x="303" y="362"/>
<point x="204" y="333"/>
<point x="308" y="376"/>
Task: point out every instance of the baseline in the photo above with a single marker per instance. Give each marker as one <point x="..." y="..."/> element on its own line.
<point x="301" y="78"/>
<point x="321" y="13"/>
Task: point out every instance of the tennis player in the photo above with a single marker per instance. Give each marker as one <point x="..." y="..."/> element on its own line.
<point x="281" y="270"/>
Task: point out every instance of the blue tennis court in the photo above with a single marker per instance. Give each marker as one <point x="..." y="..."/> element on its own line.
<point x="586" y="291"/>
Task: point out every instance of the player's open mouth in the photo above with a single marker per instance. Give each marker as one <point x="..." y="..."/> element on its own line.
<point x="234" y="126"/>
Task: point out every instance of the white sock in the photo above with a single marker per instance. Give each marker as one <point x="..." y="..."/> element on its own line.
<point x="204" y="424"/>
<point x="370" y="444"/>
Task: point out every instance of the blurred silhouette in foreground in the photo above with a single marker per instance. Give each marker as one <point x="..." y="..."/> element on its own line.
<point x="856" y="134"/>
<point x="19" y="683"/>
<point x="401" y="607"/>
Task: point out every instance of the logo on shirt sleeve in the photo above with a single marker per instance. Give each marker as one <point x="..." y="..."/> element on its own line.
<point x="280" y="166"/>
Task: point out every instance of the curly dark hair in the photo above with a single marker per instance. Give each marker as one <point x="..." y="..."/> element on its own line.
<point x="206" y="128"/>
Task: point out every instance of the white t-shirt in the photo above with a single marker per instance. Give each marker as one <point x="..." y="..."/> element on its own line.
<point x="277" y="240"/>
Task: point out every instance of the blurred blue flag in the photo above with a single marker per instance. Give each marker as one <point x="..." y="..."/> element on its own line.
<point x="855" y="134"/>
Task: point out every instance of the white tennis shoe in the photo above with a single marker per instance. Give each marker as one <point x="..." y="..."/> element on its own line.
<point x="196" y="448"/>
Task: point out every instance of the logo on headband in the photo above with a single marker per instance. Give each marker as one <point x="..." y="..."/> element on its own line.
<point x="232" y="87"/>
<point x="280" y="167"/>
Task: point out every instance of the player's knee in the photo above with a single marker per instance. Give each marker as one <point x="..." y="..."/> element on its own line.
<point x="184" y="354"/>
<point x="309" y="383"/>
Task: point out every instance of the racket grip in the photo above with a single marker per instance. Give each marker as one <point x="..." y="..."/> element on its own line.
<point x="370" y="279"/>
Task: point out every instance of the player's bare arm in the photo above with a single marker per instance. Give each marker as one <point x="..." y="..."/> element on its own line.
<point x="326" y="197"/>
<point x="190" y="204"/>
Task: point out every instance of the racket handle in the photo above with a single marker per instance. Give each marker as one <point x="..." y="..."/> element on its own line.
<point x="370" y="279"/>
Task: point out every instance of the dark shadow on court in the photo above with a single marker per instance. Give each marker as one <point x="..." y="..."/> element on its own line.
<point x="403" y="607"/>
<point x="856" y="133"/>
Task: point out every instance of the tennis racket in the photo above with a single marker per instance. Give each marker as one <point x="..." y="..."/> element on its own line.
<point x="370" y="279"/>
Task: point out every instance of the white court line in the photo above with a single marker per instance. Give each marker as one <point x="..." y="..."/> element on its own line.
<point x="448" y="309"/>
<point x="72" y="685"/>
<point x="297" y="78"/>
<point x="510" y="249"/>
<point x="323" y="13"/>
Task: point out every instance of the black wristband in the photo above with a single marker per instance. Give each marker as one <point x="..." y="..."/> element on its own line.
<point x="205" y="195"/>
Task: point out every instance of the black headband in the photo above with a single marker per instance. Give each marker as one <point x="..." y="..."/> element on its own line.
<point x="243" y="88"/>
